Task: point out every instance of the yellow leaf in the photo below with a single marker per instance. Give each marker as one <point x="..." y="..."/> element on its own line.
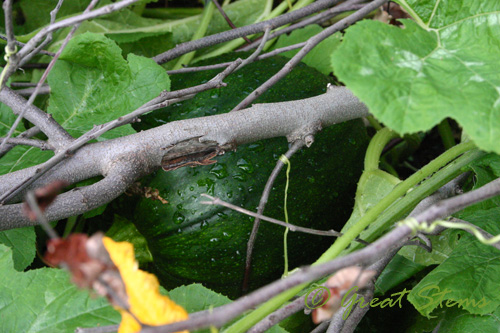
<point x="146" y="302"/>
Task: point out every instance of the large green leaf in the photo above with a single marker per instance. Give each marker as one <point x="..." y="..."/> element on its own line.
<point x="470" y="276"/>
<point x="93" y="84"/>
<point x="443" y="64"/>
<point x="23" y="246"/>
<point x="44" y="300"/>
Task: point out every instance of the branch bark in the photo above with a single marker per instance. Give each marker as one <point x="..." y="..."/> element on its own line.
<point x="144" y="150"/>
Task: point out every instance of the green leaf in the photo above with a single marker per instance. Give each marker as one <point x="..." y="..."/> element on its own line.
<point x="443" y="65"/>
<point x="122" y="230"/>
<point x="469" y="276"/>
<point x="397" y="271"/>
<point x="459" y="321"/>
<point x="195" y="297"/>
<point x="43" y="300"/>
<point x="319" y="57"/>
<point x="93" y="84"/>
<point x="442" y="246"/>
<point x="22" y="242"/>
<point x="37" y="12"/>
<point x="373" y="186"/>
<point x="21" y="157"/>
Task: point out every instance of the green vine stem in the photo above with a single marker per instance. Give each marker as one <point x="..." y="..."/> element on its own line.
<point x="401" y="189"/>
<point x="404" y="205"/>
<point x="375" y="148"/>
<point x="429" y="186"/>
<point x="446" y="134"/>
<point x="202" y="29"/>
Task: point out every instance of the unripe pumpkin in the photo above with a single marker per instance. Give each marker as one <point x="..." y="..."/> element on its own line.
<point x="191" y="242"/>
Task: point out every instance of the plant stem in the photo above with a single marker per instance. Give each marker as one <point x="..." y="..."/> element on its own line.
<point x="376" y="147"/>
<point x="400" y="190"/>
<point x="446" y="134"/>
<point x="252" y="318"/>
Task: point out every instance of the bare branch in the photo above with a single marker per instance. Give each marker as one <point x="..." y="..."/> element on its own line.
<point x="22" y="44"/>
<point x="9" y="26"/>
<point x="72" y="21"/>
<point x="45" y="90"/>
<point x="43" y="145"/>
<point x="327" y="14"/>
<point x="48" y="38"/>
<point x="101" y="129"/>
<point x="243" y="31"/>
<point x="262" y="205"/>
<point x="217" y="201"/>
<point x="228" y="20"/>
<point x="310" y="44"/>
<point x="49" y="67"/>
<point x="258" y="122"/>
<point x="80" y="199"/>
<point x="57" y="135"/>
<point x="279" y="315"/>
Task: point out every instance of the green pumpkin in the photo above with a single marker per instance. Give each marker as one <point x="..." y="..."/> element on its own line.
<point x="192" y="242"/>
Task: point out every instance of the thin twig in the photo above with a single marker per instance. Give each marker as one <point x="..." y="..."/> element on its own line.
<point x="72" y="21"/>
<point x="40" y="216"/>
<point x="279" y="315"/>
<point x="51" y="54"/>
<point x="167" y="98"/>
<point x="26" y="134"/>
<point x="9" y="26"/>
<point x="40" y="82"/>
<point x="45" y="90"/>
<point x="228" y="20"/>
<point x="310" y="44"/>
<point x="243" y="31"/>
<point x="254" y="55"/>
<point x="48" y="38"/>
<point x="327" y="14"/>
<point x="292" y="227"/>
<point x="225" y="64"/>
<point x="43" y="145"/>
<point x="296" y="146"/>
<point x="57" y="135"/>
<point x="221" y="315"/>
<point x="24" y="85"/>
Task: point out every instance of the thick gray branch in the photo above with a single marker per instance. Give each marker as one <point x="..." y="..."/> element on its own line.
<point x="145" y="149"/>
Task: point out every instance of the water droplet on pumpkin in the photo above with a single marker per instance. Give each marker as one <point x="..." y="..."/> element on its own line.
<point x="219" y="170"/>
<point x="245" y="165"/>
<point x="240" y="176"/>
<point x="204" y="225"/>
<point x="178" y="217"/>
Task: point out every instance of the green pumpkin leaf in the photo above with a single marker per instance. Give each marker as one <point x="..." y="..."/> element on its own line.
<point x="443" y="64"/>
<point x="93" y="84"/>
<point x="23" y="245"/>
<point x="44" y="300"/>
<point x="470" y="276"/>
